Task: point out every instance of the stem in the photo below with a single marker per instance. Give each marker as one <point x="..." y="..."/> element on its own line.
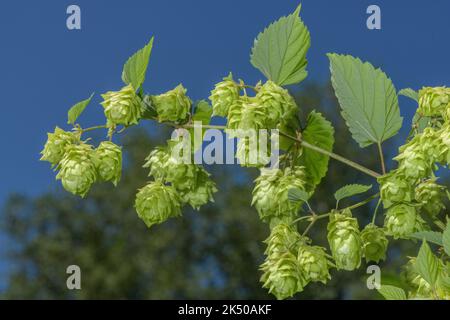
<point x="336" y="157"/>
<point x="309" y="227"/>
<point x="380" y="152"/>
<point x="375" y="212"/>
<point x="360" y="204"/>
<point x="190" y="126"/>
<point x="93" y="128"/>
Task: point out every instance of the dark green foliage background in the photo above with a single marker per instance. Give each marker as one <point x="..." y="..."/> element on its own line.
<point x="211" y="254"/>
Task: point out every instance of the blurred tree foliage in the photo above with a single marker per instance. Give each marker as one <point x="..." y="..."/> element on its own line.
<point x="211" y="254"/>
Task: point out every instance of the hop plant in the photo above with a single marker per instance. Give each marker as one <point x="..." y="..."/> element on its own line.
<point x="109" y="162"/>
<point x="78" y="169"/>
<point x="173" y="105"/>
<point x="278" y="103"/>
<point x="270" y="195"/>
<point x="430" y="195"/>
<point x="281" y="273"/>
<point x="56" y="145"/>
<point x="395" y="188"/>
<point x="122" y="107"/>
<point x="374" y="242"/>
<point x="156" y="203"/>
<point x="345" y="240"/>
<point x="434" y="101"/>
<point x="413" y="163"/>
<point x="314" y="263"/>
<point x="223" y="96"/>
<point x="402" y="220"/>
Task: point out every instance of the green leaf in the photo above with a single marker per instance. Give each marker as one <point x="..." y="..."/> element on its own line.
<point x="430" y="236"/>
<point x="318" y="132"/>
<point x="297" y="195"/>
<point x="392" y="292"/>
<point x="350" y="190"/>
<point x="410" y="93"/>
<point x="77" y="110"/>
<point x="427" y="264"/>
<point x="420" y="122"/>
<point x="135" y="68"/>
<point x="202" y="112"/>
<point x="368" y="99"/>
<point x="446" y="239"/>
<point x="279" y="52"/>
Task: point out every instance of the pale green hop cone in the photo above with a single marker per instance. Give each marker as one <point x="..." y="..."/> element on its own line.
<point x="223" y="96"/>
<point x="56" y="145"/>
<point x="156" y="203"/>
<point x="174" y="105"/>
<point x="313" y="263"/>
<point x="434" y="101"/>
<point x="431" y="196"/>
<point x="122" y="107"/>
<point x="109" y="162"/>
<point x="401" y="220"/>
<point x="375" y="243"/>
<point x="78" y="169"/>
<point x="345" y="241"/>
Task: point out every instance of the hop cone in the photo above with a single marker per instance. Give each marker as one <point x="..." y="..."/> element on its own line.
<point x="253" y="115"/>
<point x="402" y="220"/>
<point x="444" y="150"/>
<point x="173" y="105"/>
<point x="270" y="195"/>
<point x="374" y="243"/>
<point x="122" y="107"/>
<point x="156" y="202"/>
<point x="109" y="162"/>
<point x="431" y="195"/>
<point x="201" y="191"/>
<point x="235" y="114"/>
<point x="430" y="144"/>
<point x="395" y="188"/>
<point x="413" y="163"/>
<point x="278" y="103"/>
<point x="345" y="240"/>
<point x="314" y="264"/>
<point x="223" y="96"/>
<point x="434" y="101"/>
<point x="157" y="161"/>
<point x="56" y="145"/>
<point x="281" y="273"/>
<point x="78" y="169"/>
<point x="251" y="154"/>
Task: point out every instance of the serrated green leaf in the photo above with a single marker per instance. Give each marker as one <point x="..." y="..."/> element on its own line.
<point x="351" y="190"/>
<point x="135" y="68"/>
<point x="368" y="99"/>
<point x="392" y="292"/>
<point x="427" y="264"/>
<point x="318" y="132"/>
<point x="202" y="112"/>
<point x="279" y="52"/>
<point x="297" y="195"/>
<point x="430" y="236"/>
<point x="446" y="239"/>
<point x="77" y="110"/>
<point x="410" y="93"/>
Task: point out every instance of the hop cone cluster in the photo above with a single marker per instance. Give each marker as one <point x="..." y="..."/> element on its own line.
<point x="174" y="105"/>
<point x="156" y="202"/>
<point x="374" y="242"/>
<point x="223" y="96"/>
<point x="78" y="169"/>
<point x="281" y="272"/>
<point x="192" y="182"/>
<point x="57" y="144"/>
<point x="122" y="107"/>
<point x="109" y="157"/>
<point x="270" y="195"/>
<point x="345" y="241"/>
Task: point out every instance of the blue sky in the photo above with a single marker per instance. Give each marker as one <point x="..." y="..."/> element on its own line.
<point x="46" y="68"/>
